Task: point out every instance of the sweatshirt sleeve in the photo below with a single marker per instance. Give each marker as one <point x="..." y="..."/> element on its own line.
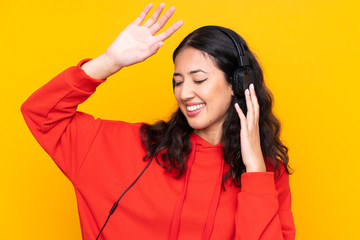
<point x="50" y="113"/>
<point x="264" y="207"/>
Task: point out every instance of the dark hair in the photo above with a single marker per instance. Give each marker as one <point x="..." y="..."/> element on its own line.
<point x="177" y="146"/>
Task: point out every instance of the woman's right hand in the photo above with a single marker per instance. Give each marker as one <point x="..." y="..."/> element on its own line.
<point x="134" y="44"/>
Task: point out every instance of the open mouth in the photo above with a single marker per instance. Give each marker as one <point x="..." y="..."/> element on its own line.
<point x="194" y="109"/>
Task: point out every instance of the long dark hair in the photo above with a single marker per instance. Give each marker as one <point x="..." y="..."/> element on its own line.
<point x="176" y="148"/>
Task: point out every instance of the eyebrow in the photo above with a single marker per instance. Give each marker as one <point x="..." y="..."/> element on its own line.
<point x="191" y="72"/>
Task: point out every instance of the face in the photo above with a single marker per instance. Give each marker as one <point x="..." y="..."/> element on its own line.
<point x="201" y="90"/>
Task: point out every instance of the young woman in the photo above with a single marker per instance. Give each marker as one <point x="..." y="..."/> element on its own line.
<point x="220" y="170"/>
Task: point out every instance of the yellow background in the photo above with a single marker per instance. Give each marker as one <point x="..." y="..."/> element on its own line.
<point x="310" y="54"/>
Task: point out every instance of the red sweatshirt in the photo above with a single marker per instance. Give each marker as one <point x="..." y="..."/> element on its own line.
<point x="102" y="158"/>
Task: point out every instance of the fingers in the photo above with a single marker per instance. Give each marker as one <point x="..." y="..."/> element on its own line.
<point x="252" y="104"/>
<point x="155" y="25"/>
<point x="255" y="102"/>
<point x="143" y="14"/>
<point x="170" y="31"/>
<point x="163" y="20"/>
<point x="252" y="116"/>
<point x="249" y="105"/>
<point x="155" y="47"/>
<point x="155" y="16"/>
<point x="242" y="117"/>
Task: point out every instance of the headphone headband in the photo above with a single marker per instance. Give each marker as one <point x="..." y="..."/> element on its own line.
<point x="243" y="61"/>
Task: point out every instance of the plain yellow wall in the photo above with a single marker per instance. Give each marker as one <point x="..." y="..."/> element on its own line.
<point x="310" y="54"/>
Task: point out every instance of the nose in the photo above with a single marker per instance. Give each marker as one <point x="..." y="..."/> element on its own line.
<point x="186" y="90"/>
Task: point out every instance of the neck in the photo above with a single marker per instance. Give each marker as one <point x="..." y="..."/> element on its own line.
<point x="211" y="136"/>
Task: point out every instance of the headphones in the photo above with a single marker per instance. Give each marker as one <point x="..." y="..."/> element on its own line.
<point x="241" y="74"/>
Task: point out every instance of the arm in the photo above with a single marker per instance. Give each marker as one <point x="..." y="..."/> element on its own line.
<point x="264" y="204"/>
<point x="264" y="207"/>
<point x="51" y="116"/>
<point x="50" y="112"/>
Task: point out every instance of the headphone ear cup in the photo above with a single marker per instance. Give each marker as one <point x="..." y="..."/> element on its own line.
<point x="242" y="78"/>
<point x="238" y="82"/>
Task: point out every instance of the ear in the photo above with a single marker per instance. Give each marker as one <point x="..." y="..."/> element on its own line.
<point x="231" y="89"/>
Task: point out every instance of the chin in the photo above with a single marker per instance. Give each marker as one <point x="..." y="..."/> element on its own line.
<point x="197" y="122"/>
<point x="196" y="125"/>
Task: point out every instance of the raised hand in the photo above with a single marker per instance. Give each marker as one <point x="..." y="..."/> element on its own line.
<point x="134" y="44"/>
<point x="249" y="133"/>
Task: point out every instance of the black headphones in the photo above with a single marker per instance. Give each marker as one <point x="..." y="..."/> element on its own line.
<point x="242" y="72"/>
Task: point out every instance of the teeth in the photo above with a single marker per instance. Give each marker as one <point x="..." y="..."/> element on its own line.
<point x="194" y="107"/>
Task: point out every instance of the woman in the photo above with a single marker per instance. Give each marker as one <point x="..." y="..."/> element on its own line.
<point x="213" y="179"/>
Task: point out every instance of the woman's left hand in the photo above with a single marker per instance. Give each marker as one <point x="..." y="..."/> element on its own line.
<point x="249" y="133"/>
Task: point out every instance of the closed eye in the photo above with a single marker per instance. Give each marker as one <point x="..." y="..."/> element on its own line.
<point x="178" y="84"/>
<point x="200" y="81"/>
<point x="197" y="82"/>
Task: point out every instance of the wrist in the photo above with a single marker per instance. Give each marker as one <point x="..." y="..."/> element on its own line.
<point x="100" y="67"/>
<point x="109" y="63"/>
<point x="256" y="168"/>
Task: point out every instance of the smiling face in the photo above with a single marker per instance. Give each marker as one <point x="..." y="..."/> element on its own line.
<point x="202" y="92"/>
